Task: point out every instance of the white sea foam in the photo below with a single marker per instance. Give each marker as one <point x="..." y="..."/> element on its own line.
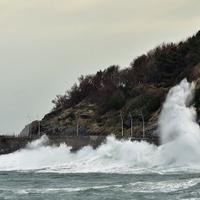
<point x="64" y="189"/>
<point x="180" y="134"/>
<point x="180" y="149"/>
<point x="162" y="186"/>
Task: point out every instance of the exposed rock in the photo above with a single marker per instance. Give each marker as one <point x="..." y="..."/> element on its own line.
<point x="31" y="129"/>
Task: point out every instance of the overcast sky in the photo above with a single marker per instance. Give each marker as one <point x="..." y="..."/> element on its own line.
<point x="45" y="45"/>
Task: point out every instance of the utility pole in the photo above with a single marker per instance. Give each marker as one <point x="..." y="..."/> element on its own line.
<point x="77" y="126"/>
<point x="122" y="124"/>
<point x="29" y="130"/>
<point x="131" y="124"/>
<point x="29" y="126"/>
<point x="143" y="125"/>
<point x="39" y="129"/>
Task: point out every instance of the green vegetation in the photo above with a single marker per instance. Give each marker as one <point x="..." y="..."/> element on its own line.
<point x="110" y="89"/>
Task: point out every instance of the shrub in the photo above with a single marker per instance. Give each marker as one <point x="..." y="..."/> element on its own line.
<point x="117" y="100"/>
<point x="162" y="66"/>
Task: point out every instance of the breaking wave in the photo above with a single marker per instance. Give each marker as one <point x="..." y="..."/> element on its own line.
<point x="180" y="148"/>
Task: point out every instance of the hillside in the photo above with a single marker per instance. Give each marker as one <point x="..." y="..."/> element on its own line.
<point x="99" y="101"/>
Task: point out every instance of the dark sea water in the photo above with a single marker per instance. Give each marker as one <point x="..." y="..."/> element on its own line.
<point x="98" y="186"/>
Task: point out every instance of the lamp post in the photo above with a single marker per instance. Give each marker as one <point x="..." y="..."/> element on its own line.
<point x="122" y="124"/>
<point x="143" y="125"/>
<point x="39" y="131"/>
<point x="131" y="124"/>
<point x="77" y="126"/>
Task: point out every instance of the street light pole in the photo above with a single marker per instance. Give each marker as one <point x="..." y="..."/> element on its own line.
<point x="143" y="125"/>
<point x="131" y="124"/>
<point x="77" y="126"/>
<point x="122" y="125"/>
<point x="39" y="127"/>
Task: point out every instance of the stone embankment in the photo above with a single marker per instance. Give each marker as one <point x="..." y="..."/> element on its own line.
<point x="10" y="144"/>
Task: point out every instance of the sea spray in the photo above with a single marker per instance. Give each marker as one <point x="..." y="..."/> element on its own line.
<point x="38" y="143"/>
<point x="179" y="132"/>
<point x="180" y="136"/>
<point x="114" y="156"/>
<point x="177" y="117"/>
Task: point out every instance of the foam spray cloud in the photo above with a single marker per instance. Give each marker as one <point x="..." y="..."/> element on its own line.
<point x="180" y="136"/>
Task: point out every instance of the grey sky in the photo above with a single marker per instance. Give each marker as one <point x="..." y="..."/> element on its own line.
<point x="45" y="45"/>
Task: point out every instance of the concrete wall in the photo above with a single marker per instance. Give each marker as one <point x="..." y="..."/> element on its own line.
<point x="9" y="144"/>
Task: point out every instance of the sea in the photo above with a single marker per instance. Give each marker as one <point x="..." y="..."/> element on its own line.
<point x="117" y="169"/>
<point x="90" y="186"/>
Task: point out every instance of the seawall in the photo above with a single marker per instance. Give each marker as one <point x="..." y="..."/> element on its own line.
<point x="10" y="144"/>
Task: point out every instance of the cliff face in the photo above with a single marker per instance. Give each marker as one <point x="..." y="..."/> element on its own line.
<point x="135" y="95"/>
